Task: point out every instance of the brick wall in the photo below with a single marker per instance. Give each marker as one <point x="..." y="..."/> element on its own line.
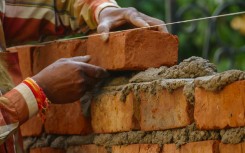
<point x="184" y="108"/>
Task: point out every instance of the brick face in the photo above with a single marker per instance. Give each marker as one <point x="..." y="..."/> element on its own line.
<point x="164" y="110"/>
<point x="170" y="148"/>
<point x="137" y="148"/>
<point x="218" y="110"/>
<point x="110" y="114"/>
<point x="232" y="148"/>
<point x="46" y="150"/>
<point x="33" y="127"/>
<point x="49" y="53"/>
<point x="134" y="50"/>
<point x="86" y="149"/>
<point x="25" y="59"/>
<point x="66" y="119"/>
<point x="193" y="147"/>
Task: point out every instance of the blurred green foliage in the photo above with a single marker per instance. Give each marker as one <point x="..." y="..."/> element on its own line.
<point x="224" y="42"/>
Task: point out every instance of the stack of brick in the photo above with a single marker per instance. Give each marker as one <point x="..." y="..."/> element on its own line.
<point x="185" y="108"/>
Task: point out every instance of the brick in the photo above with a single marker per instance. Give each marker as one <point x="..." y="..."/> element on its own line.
<point x="110" y="114"/>
<point x="66" y="119"/>
<point x="49" y="53"/>
<point x="232" y="148"/>
<point x="164" y="110"/>
<point x="11" y="64"/>
<point x="193" y="147"/>
<point x="46" y="150"/>
<point x="218" y="110"/>
<point x="134" y="50"/>
<point x="137" y="148"/>
<point x="170" y="148"/>
<point x="25" y="59"/>
<point x="33" y="127"/>
<point x="86" y="149"/>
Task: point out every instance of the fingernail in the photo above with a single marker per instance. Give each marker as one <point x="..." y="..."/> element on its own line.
<point x="87" y="56"/>
<point x="105" y="36"/>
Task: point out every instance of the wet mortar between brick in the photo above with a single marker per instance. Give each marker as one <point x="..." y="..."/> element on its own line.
<point x="191" y="73"/>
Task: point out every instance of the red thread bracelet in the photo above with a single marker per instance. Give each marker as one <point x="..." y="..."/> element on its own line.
<point x="42" y="100"/>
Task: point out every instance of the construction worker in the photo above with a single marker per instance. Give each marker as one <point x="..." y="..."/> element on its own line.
<point x="27" y="20"/>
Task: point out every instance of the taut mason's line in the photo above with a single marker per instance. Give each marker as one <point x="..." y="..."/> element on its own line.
<point x="165" y="24"/>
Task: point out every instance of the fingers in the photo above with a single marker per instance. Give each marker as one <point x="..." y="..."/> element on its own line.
<point x="84" y="59"/>
<point x="133" y="16"/>
<point x="155" y="22"/>
<point x="104" y="29"/>
<point x="93" y="71"/>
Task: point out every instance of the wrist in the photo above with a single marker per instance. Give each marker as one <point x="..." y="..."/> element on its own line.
<point x="41" y="98"/>
<point x="103" y="7"/>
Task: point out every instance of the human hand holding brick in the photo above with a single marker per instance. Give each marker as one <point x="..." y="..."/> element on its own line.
<point x="69" y="76"/>
<point x="112" y="17"/>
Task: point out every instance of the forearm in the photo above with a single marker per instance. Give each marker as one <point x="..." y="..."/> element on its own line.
<point x="16" y="107"/>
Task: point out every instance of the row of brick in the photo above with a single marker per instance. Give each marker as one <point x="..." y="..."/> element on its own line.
<point x="169" y="110"/>
<point x="159" y="111"/>
<point x="123" y="51"/>
<point x="194" y="147"/>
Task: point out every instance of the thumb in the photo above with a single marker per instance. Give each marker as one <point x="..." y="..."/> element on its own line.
<point x="104" y="29"/>
<point x="84" y="59"/>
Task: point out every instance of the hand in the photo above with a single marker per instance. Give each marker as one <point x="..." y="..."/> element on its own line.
<point x="112" y="17"/>
<point x="68" y="79"/>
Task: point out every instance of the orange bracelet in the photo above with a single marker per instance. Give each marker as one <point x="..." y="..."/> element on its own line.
<point x="42" y="100"/>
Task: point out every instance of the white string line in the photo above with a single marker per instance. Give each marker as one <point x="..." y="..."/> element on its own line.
<point x="165" y="24"/>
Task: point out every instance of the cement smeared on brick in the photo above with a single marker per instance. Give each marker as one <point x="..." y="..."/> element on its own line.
<point x="220" y="80"/>
<point x="192" y="67"/>
<point x="150" y="87"/>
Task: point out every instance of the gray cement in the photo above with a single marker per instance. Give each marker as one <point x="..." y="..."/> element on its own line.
<point x="220" y="80"/>
<point x="192" y="67"/>
<point x="177" y="136"/>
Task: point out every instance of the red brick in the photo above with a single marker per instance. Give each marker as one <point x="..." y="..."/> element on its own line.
<point x="193" y="147"/>
<point x="46" y="150"/>
<point x="66" y="119"/>
<point x="164" y="110"/>
<point x="33" y="127"/>
<point x="232" y="148"/>
<point x="11" y="64"/>
<point x="137" y="148"/>
<point x="25" y="59"/>
<point x="86" y="149"/>
<point x="49" y="53"/>
<point x="170" y="148"/>
<point x="218" y="110"/>
<point x="110" y="114"/>
<point x="134" y="50"/>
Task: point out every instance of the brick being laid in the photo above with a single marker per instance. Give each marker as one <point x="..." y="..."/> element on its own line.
<point x="47" y="54"/>
<point x="220" y="101"/>
<point x="134" y="50"/>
